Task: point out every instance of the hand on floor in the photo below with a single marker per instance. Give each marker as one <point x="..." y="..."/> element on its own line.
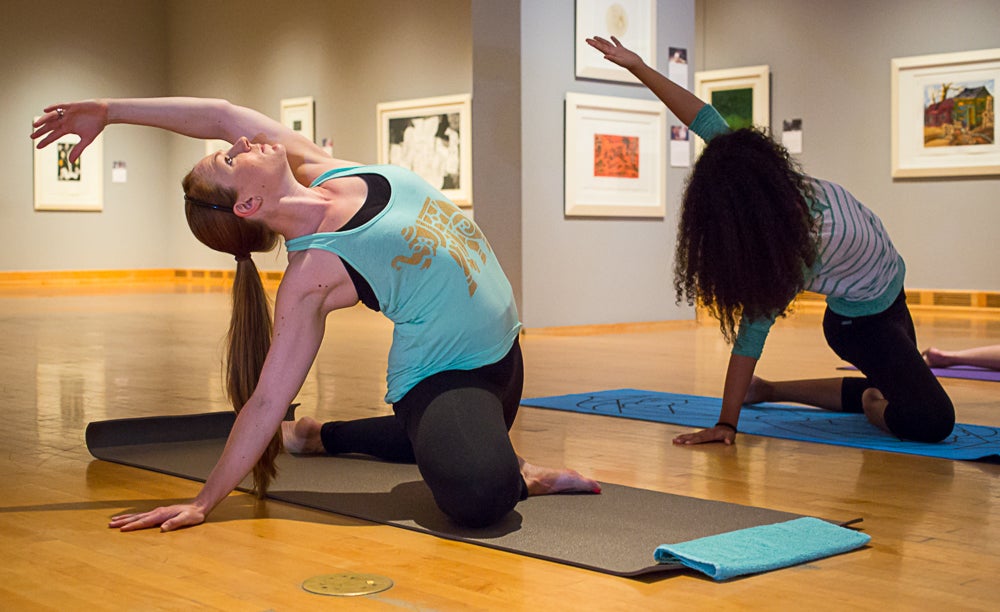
<point x="715" y="434"/>
<point x="167" y="517"/>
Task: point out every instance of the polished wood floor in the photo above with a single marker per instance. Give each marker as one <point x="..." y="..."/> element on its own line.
<point x="69" y="357"/>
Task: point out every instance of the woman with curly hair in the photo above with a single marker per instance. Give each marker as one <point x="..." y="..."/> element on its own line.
<point x="754" y="232"/>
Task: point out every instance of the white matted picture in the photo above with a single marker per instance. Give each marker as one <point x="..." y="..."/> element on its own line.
<point x="299" y="114"/>
<point x="616" y="157"/>
<point x="741" y="95"/>
<point x="943" y="117"/>
<point x="432" y="137"/>
<point x="633" y="22"/>
<point x="64" y="185"/>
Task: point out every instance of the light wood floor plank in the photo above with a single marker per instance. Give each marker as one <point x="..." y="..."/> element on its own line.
<point x="72" y="357"/>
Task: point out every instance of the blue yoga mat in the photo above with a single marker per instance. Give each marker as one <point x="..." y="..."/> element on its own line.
<point x="968" y="442"/>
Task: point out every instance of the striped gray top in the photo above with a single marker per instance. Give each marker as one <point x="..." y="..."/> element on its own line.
<point x="857" y="267"/>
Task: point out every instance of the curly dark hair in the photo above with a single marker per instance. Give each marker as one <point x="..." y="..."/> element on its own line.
<point x="745" y="238"/>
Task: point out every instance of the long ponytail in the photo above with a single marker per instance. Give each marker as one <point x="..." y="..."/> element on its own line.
<point x="247" y="344"/>
<point x="209" y="214"/>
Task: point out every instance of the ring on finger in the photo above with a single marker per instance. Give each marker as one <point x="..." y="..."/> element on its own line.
<point x="61" y="112"/>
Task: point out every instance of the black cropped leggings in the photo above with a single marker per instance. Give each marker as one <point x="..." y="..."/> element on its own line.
<point x="884" y="348"/>
<point x="454" y="425"/>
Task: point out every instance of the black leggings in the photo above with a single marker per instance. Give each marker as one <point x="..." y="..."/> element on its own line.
<point x="884" y="347"/>
<point x="454" y="425"/>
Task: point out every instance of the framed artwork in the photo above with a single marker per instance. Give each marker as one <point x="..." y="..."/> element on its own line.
<point x="633" y="22"/>
<point x="432" y="137"/>
<point x="741" y="95"/>
<point x="64" y="185"/>
<point x="616" y="157"/>
<point x="299" y="114"/>
<point x="943" y="117"/>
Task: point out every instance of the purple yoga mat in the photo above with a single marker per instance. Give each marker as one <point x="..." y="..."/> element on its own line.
<point x="967" y="372"/>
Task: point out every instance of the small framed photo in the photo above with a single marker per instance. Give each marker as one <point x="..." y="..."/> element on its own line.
<point x="741" y="95"/>
<point x="432" y="137"/>
<point x="633" y="22"/>
<point x="299" y="114"/>
<point x="943" y="114"/>
<point x="69" y="186"/>
<point x="616" y="157"/>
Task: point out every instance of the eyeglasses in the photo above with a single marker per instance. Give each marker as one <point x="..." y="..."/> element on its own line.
<point x="204" y="204"/>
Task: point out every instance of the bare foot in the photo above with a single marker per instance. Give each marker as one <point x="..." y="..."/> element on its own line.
<point x="874" y="404"/>
<point x="936" y="358"/>
<point x="549" y="481"/>
<point x="302" y="437"/>
<point x="759" y="391"/>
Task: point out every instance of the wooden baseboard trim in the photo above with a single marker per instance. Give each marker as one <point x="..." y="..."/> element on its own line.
<point x="931" y="299"/>
<point x="49" y="278"/>
<point x="918" y="300"/>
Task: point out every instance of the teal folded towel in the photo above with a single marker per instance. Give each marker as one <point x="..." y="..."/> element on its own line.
<point x="763" y="548"/>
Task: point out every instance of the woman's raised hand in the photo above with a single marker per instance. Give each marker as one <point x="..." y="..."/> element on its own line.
<point x="615" y="52"/>
<point x="85" y="119"/>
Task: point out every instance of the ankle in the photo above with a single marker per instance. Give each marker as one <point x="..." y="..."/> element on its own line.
<point x="302" y="436"/>
<point x="759" y="391"/>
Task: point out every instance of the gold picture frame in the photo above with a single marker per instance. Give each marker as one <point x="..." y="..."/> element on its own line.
<point x="943" y="118"/>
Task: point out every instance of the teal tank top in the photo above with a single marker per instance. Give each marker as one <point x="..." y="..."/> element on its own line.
<point x="434" y="275"/>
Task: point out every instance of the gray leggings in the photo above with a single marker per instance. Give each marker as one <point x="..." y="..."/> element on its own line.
<point x="883" y="347"/>
<point x="454" y="425"/>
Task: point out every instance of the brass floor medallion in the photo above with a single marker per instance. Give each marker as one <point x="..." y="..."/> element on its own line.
<point x="347" y="584"/>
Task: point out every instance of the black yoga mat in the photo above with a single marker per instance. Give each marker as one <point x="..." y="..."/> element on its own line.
<point x="615" y="532"/>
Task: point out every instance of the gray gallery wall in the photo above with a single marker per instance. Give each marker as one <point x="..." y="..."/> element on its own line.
<point x="67" y="51"/>
<point x="347" y="55"/>
<point x="496" y="120"/>
<point x="586" y="271"/>
<point x="830" y="66"/>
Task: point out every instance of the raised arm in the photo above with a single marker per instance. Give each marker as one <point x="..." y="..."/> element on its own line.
<point x="681" y="102"/>
<point x="205" y="118"/>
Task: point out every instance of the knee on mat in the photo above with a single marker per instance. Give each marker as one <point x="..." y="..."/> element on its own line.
<point x="481" y="505"/>
<point x="936" y="430"/>
<point x="932" y="427"/>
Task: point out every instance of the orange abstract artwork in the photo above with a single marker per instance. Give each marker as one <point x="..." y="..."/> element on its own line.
<point x="616" y="156"/>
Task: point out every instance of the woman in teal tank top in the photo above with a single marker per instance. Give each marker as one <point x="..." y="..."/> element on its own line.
<point x="455" y="386"/>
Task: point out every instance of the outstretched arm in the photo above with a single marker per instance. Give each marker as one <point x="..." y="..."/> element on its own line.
<point x="204" y="118"/>
<point x="738" y="378"/>
<point x="681" y="102"/>
<point x="300" y="314"/>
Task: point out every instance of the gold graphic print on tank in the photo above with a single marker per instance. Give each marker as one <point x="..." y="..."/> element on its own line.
<point x="443" y="225"/>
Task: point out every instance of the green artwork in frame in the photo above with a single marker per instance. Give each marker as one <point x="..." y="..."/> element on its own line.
<point x="735" y="106"/>
<point x="741" y="95"/>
